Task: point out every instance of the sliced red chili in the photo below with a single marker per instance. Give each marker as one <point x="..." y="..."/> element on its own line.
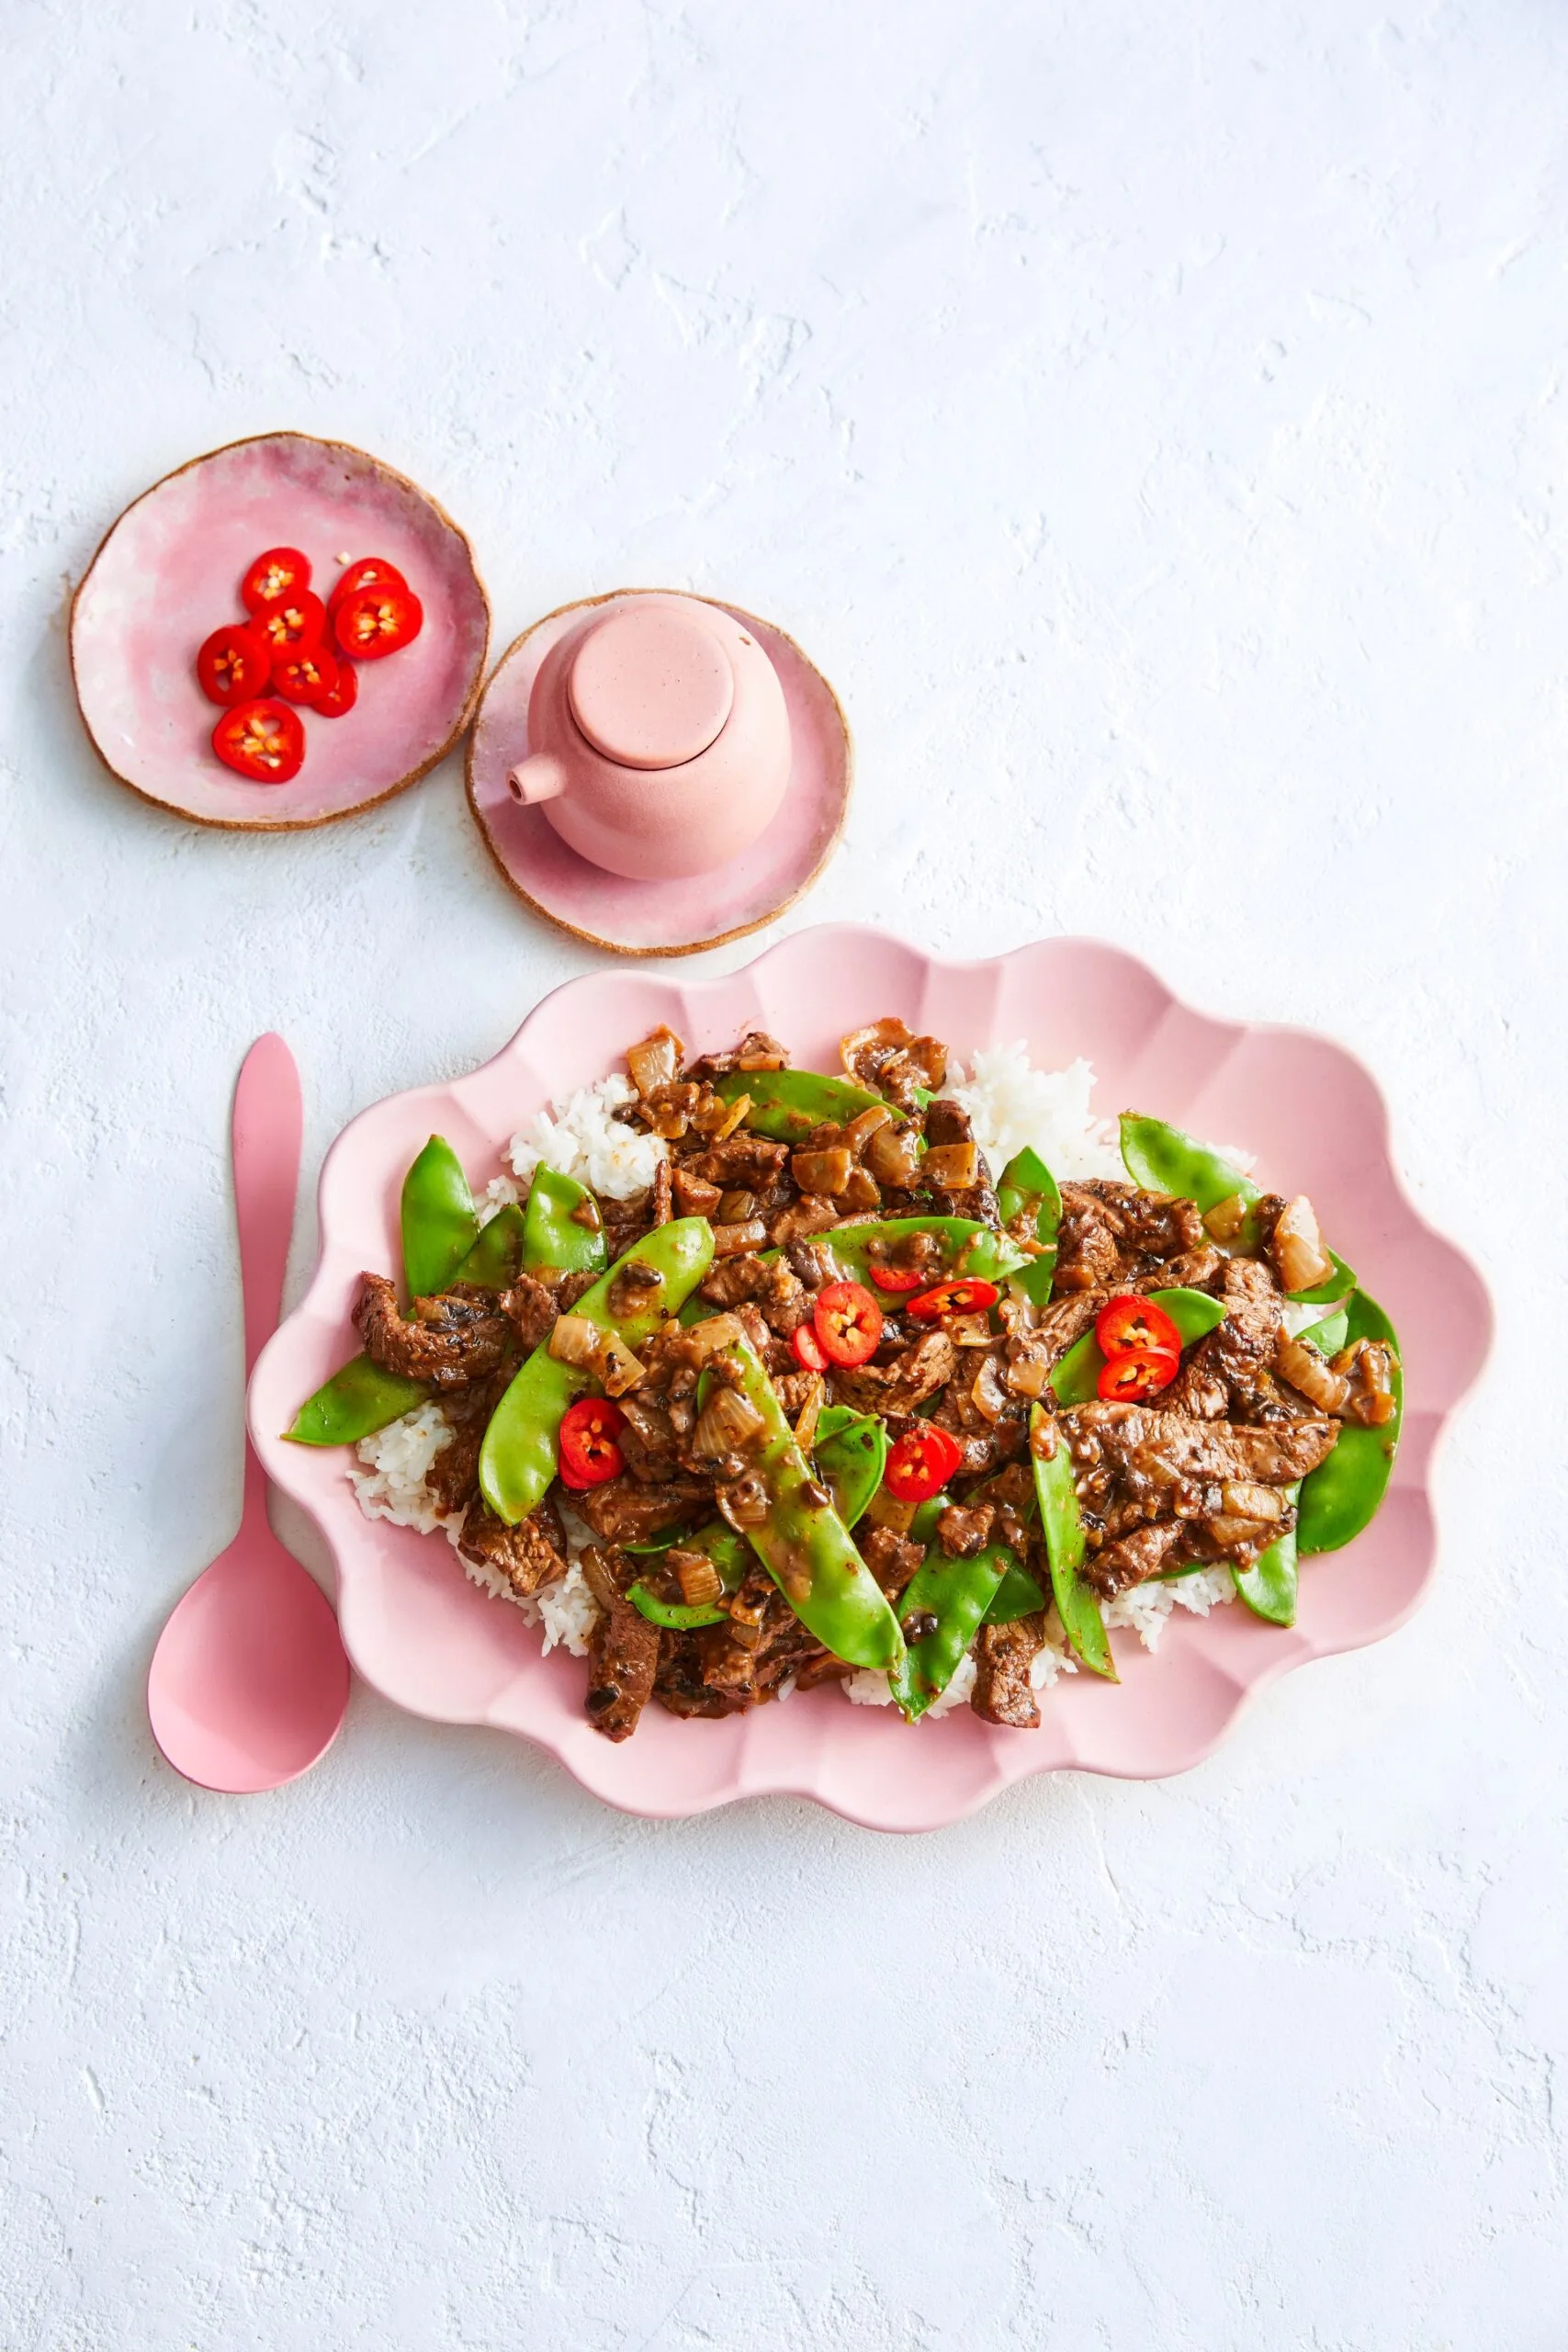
<point x="807" y="1348"/>
<point x="894" y="1278"/>
<point x="293" y="624"/>
<point x="234" y="664"/>
<point x="953" y="1299"/>
<point x="589" y="1454"/>
<point x="1136" y="1373"/>
<point x="849" y="1323"/>
<point x="306" y="676"/>
<point x="281" y="571"/>
<point x="370" y="571"/>
<point x="922" y="1463"/>
<point x="261" y="740"/>
<point x="1135" y="1325"/>
<point x="376" y="621"/>
<point x="343" y="694"/>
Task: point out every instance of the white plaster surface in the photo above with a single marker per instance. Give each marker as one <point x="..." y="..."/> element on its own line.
<point x="1153" y="420"/>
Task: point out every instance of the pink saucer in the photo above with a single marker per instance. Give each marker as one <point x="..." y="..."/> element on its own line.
<point x="669" y="918"/>
<point x="434" y="1643"/>
<point x="168" y="573"/>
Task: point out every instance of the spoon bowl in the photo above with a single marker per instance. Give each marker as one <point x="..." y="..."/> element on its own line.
<point x="249" y="1682"/>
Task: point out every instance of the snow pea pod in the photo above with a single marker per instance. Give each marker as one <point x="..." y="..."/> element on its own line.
<point x="555" y="1231"/>
<point x="804" y="1545"/>
<point x="787" y="1104"/>
<point x="728" y="1553"/>
<point x="1027" y="1186"/>
<point x="362" y="1397"/>
<point x="1269" y="1587"/>
<point x="518" y="1458"/>
<point x="1077" y="1378"/>
<point x="1017" y="1595"/>
<point x="1064" y="1548"/>
<point x="439" y="1224"/>
<point x="958" y="1593"/>
<point x="1163" y="1159"/>
<point x="1341" y="1498"/>
<point x="355" y="1403"/>
<point x="851" y="1453"/>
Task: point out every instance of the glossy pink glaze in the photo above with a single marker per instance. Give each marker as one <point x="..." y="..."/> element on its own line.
<point x="169" y="573"/>
<point x="519" y="716"/>
<point x="691" y="752"/>
<point x="249" y="1681"/>
<point x="432" y="1641"/>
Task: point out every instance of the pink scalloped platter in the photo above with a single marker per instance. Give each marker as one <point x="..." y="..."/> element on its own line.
<point x="435" y="1643"/>
<point x="168" y="573"/>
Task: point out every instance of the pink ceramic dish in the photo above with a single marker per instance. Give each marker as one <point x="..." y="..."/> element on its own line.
<point x="669" y="917"/>
<point x="168" y="573"/>
<point x="427" y="1638"/>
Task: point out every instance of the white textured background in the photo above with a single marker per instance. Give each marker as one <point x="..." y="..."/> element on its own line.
<point x="1153" y="420"/>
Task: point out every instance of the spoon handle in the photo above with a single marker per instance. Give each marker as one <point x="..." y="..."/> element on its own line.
<point x="267" y="1131"/>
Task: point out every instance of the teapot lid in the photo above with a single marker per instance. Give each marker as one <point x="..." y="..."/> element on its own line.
<point x="651" y="686"/>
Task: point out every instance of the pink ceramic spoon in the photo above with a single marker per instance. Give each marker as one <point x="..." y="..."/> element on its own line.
<point x="249" y="1681"/>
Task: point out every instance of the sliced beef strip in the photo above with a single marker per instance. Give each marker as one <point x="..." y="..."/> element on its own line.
<point x="1227" y="1374"/>
<point x="1169" y="1449"/>
<point x="1135" y="1558"/>
<point x="785" y="1301"/>
<point x="1154" y="1224"/>
<point x="451" y="1340"/>
<point x="529" y="1556"/>
<point x="892" y="1558"/>
<point x="530" y="1307"/>
<point x="964" y="1529"/>
<point x="1088" y="1241"/>
<point x="742" y="1162"/>
<point x="730" y="1279"/>
<point x="918" y="1373"/>
<point x="622" y="1657"/>
<point x="625" y="1510"/>
<point x="1193" y="1270"/>
<point x="1003" y="1655"/>
<point x="678" y="1686"/>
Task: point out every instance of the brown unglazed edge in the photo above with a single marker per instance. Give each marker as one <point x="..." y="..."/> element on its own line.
<point x="720" y="938"/>
<point x="333" y="816"/>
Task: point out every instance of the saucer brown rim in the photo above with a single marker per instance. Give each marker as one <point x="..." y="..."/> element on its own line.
<point x="719" y="938"/>
<point x="332" y="815"/>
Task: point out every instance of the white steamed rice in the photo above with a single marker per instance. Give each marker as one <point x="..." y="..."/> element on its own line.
<point x="584" y="1138"/>
<point x="1011" y="1104"/>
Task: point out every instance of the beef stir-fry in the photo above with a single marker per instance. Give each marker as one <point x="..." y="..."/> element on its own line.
<point x="831" y="1395"/>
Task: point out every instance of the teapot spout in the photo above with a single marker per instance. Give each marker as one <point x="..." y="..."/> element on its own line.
<point x="539" y="777"/>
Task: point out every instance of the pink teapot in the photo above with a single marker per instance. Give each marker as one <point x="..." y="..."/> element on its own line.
<point x="661" y="741"/>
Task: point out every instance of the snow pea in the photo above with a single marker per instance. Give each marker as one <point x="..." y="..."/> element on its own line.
<point x="1341" y="1498"/>
<point x="492" y="1263"/>
<point x="1064" y="1548"/>
<point x="728" y="1553"/>
<point x="787" y="1104"/>
<point x="850" y="1451"/>
<point x="968" y="1248"/>
<point x="439" y="1223"/>
<point x="1017" y="1595"/>
<point x="362" y="1397"/>
<point x="1027" y="1186"/>
<point x="355" y="1403"/>
<point x="552" y="1234"/>
<point x="1269" y="1587"/>
<point x="518" y="1458"/>
<point x="804" y="1545"/>
<point x="958" y="1593"/>
<point x="1163" y="1159"/>
<point x="1077" y="1378"/>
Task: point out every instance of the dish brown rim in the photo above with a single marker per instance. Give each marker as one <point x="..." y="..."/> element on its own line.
<point x="720" y="938"/>
<point x="333" y="816"/>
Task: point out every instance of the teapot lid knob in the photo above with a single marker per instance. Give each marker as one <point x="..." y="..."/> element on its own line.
<point x="652" y="686"/>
